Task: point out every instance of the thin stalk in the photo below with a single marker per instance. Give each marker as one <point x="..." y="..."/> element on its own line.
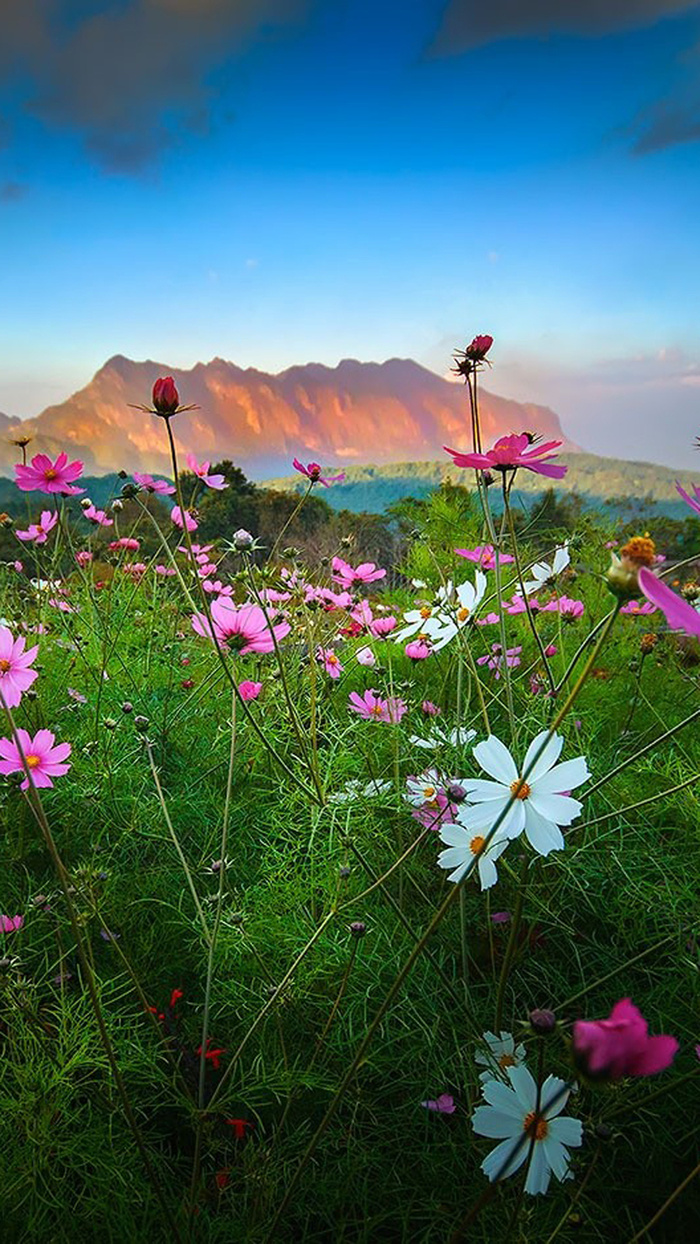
<point x="642" y="752"/>
<point x="530" y="615"/>
<point x="512" y="943"/>
<point x="666" y="1205"/>
<point x="176" y="842"/>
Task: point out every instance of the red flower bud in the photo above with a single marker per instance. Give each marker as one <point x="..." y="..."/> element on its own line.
<point x="166" y="398"/>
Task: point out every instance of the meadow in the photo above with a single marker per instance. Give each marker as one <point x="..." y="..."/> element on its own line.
<point x="338" y="904"/>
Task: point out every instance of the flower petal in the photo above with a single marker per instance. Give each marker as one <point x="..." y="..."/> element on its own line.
<point x="496" y="760"/>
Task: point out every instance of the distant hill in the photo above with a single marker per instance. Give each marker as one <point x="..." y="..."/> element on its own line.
<point x="344" y="414"/>
<point x="370" y="489"/>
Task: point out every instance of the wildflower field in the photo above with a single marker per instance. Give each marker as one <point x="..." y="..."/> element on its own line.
<point x="341" y="903"/>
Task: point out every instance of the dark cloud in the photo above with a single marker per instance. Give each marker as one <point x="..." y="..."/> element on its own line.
<point x="670" y="126"/>
<point x="12" y="191"/>
<point x="130" y="74"/>
<point x="471" y="23"/>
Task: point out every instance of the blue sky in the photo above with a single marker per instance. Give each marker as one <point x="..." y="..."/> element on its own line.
<point x="278" y="181"/>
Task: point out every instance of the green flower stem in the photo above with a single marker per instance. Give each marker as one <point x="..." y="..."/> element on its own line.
<point x="521" y="581"/>
<point x="176" y="843"/>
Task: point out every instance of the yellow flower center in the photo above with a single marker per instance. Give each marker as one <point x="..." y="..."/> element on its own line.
<point x="506" y="1060"/>
<point x="50" y="474"/>
<point x="535" y="1125"/>
<point x="520" y="789"/>
<point x="462" y="614"/>
<point x="377" y="710"/>
<point x="32" y="761"/>
<point x="425" y="612"/>
<point x="4" y="665"/>
<point x="640" y="550"/>
<point x="476" y="844"/>
<point x="429" y="792"/>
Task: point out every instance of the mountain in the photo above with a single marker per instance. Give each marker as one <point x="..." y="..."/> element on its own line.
<point x="335" y="415"/>
<point x="602" y="483"/>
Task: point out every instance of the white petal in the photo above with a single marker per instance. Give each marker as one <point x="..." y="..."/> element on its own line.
<point x="567" y="1131"/>
<point x="505" y="1100"/>
<point x="543" y="835"/>
<point x="566" y="776"/>
<point x="524" y="1086"/>
<point x="480" y="789"/>
<point x="455" y="836"/>
<point x="496" y="760"/>
<point x="538" y="1176"/>
<point x="558" y="808"/>
<point x="493" y="1123"/>
<point x="554" y="1096"/>
<point x="548" y="758"/>
<point x="561" y="559"/>
<point x="557" y="1156"/>
<point x="494" y="1164"/>
<point x="488" y="874"/>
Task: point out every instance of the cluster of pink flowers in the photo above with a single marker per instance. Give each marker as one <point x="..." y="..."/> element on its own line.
<point x="11" y="924"/>
<point x="484" y="555"/>
<point x="346" y="575"/>
<point x="372" y="707"/>
<point x="495" y="659"/>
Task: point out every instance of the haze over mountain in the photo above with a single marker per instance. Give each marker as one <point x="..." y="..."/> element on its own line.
<point x="353" y="413"/>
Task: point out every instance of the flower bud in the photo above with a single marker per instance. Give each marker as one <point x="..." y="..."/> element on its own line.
<point x="542" y="1022"/>
<point x="358" y="928"/>
<point x="127" y="707"/>
<point x="117" y="505"/>
<point x="455" y="792"/>
<point x="166" y="398"/>
<point x="85" y="503"/>
<point x="622" y="575"/>
<point x="242" y="539"/>
<point x="142" y="724"/>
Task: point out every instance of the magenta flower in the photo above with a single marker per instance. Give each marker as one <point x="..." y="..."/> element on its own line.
<point x="249" y="690"/>
<point x="430" y="709"/>
<point x="98" y="517"/>
<point x="564" y="605"/>
<point x="312" y="471"/>
<point x="634" y="608"/>
<point x="159" y="486"/>
<point x="201" y="470"/>
<point x="371" y="707"/>
<point x="46" y="476"/>
<point x="241" y="628"/>
<point x="468" y="360"/>
<point x="346" y="575"/>
<point x="511" y="452"/>
<point x="125" y="542"/>
<point x="189" y="521"/>
<point x="380" y="627"/>
<point x="418" y="650"/>
<point x="38" y="532"/>
<point x="494" y="659"/>
<point x="620" y="1045"/>
<point x="11" y="924"/>
<point x="44" y="761"/>
<point x="444" y="1104"/>
<point x="693" y="502"/>
<point x="330" y="662"/>
<point x="15" y="674"/>
<point x="485" y="556"/>
<point x="679" y="615"/>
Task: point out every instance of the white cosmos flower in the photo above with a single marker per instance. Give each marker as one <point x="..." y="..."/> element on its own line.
<point x="357" y="790"/>
<point x="544" y="574"/>
<point x="540" y="805"/>
<point x="497" y="1055"/>
<point x="511" y="1116"/>
<point x="424" y="621"/>
<point x="422" y="789"/>
<point x="462" y="847"/>
<point x="464" y="602"/>
<point x="458" y="737"/>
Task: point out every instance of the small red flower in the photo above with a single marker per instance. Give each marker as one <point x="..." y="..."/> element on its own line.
<point x="166" y="398"/>
<point x="239" y="1127"/>
<point x="212" y="1056"/>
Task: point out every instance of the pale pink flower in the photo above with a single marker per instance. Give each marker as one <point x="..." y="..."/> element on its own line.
<point x="620" y="1046"/>
<point x="44" y="760"/>
<point x="330" y="661"/>
<point x="159" y="486"/>
<point x="11" y="924"/>
<point x="365" y="656"/>
<point x="346" y="575"/>
<point x="329" y="599"/>
<point x="98" y="517"/>
<point x="679" y="615"/>
<point x="125" y="542"/>
<point x="249" y="690"/>
<point x="485" y="556"/>
<point x="430" y="709"/>
<point x="242" y="628"/>
<point x="63" y="606"/>
<point x="362" y="613"/>
<point x="166" y="571"/>
<point x="371" y="707"/>
<point x="564" y="605"/>
<point x="83" y="557"/>
<point x="634" y="608"/>
<point x="494" y="659"/>
<point x="201" y="470"/>
<point x="418" y="650"/>
<point x="488" y="620"/>
<point x="38" y="532"/>
<point x="46" y="476"/>
<point x="382" y="626"/>
<point x="312" y="471"/>
<point x="136" y="570"/>
<point x="444" y="1104"/>
<point x="216" y="588"/>
<point x="510" y="452"/>
<point x="517" y="604"/>
<point x="188" y="521"/>
<point x="15" y="675"/>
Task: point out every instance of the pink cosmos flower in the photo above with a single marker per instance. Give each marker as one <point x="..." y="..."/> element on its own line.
<point x="330" y="661"/>
<point x="46" y="476"/>
<point x="517" y="604"/>
<point x="83" y="557"/>
<point x="38" y="532"/>
<point x="216" y="588"/>
<point x="135" y="569"/>
<point x="679" y="615"/>
<point x="488" y="619"/>
<point x="189" y="521"/>
<point x="312" y="471"/>
<point x="11" y="924"/>
<point x="693" y="502"/>
<point x="15" y="674"/>
<point x="366" y="572"/>
<point x="418" y="650"/>
<point x="485" y="556"/>
<point x="494" y="659"/>
<point x="63" y="606"/>
<point x="242" y="628"/>
<point x="513" y="451"/>
<point x="365" y="656"/>
<point x="166" y="571"/>
<point x="551" y="650"/>
<point x="249" y="690"/>
<point x="430" y="709"/>
<point x="468" y="360"/>
<point x="324" y="596"/>
<point x="159" y="486"/>
<point x="371" y="707"/>
<point x="382" y="626"/>
<point x="98" y="517"/>
<point x="620" y="1045"/>
<point x="564" y="605"/>
<point x="634" y="608"/>
<point x="444" y="1104"/>
<point x="44" y="761"/>
<point x="201" y="470"/>
<point x="125" y="542"/>
<point x="440" y="811"/>
<point x="362" y="613"/>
